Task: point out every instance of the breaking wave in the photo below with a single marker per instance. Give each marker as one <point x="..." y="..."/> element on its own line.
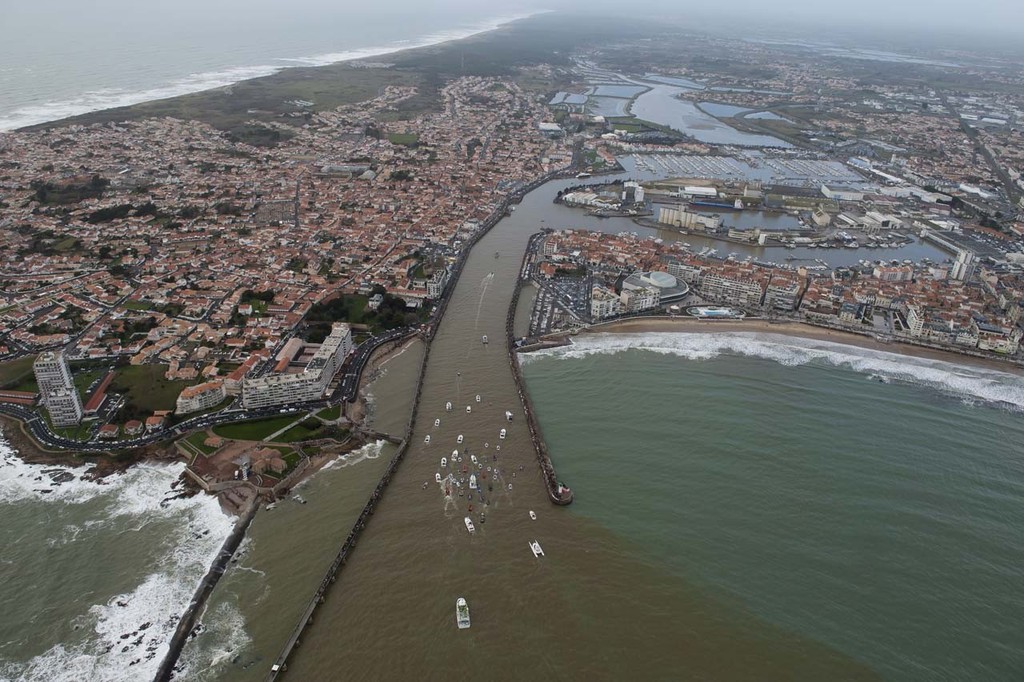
<point x="969" y="383"/>
<point x="108" y="98"/>
<point x="126" y="635"/>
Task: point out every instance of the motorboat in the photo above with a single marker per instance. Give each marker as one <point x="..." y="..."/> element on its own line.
<point x="508" y="415"/>
<point x="469" y="522"/>
<point x="437" y="478"/>
<point x="437" y="422"/>
<point x="473" y="458"/>
<point x="448" y="407"/>
<point x="469" y="408"/>
<point x="299" y="499"/>
<point x="444" y="462"/>
<point x="459" y="439"/>
<point x="534" y="547"/>
<point x="472" y="481"/>
<point x="455" y="453"/>
<point x="478" y="397"/>
<point x="484" y="338"/>
<point x="271" y="506"/>
<point x="427" y="440"/>
<point x="462" y="610"/>
<point x="533" y="515"/>
<point x="501" y="434"/>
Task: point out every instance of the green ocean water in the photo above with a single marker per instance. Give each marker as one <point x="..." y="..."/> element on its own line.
<point x="866" y="501"/>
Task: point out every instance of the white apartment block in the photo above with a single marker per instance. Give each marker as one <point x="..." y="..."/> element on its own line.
<point x="57" y="388"/>
<point x="310" y="384"/>
<point x="200" y="397"/>
<point x="604" y="303"/>
<point x="735" y="291"/>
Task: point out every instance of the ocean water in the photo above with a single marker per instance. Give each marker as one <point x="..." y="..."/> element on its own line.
<point x="94" y="575"/>
<point x="64" y="58"/>
<point x="866" y="501"/>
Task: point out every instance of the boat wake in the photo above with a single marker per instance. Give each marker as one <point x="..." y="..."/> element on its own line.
<point x="973" y="385"/>
<point x="483" y="292"/>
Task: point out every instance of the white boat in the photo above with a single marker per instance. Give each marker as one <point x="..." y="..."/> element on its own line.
<point x="533" y="515"/>
<point x="535" y="548"/>
<point x="459" y="439"/>
<point x="478" y="397"/>
<point x="270" y="507"/>
<point x="469" y="525"/>
<point x="508" y="415"/>
<point x="444" y="462"/>
<point x="472" y="481"/>
<point x="427" y="440"/>
<point x="462" y="612"/>
<point x="448" y="407"/>
<point x="469" y="408"/>
<point x="437" y="477"/>
<point x="473" y="458"/>
<point x="455" y="453"/>
<point x="299" y="499"/>
<point x="484" y="338"/>
<point x="501" y="435"/>
<point x="437" y="422"/>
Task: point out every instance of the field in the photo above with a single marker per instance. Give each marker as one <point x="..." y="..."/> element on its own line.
<point x="255" y="430"/>
<point x="196" y="441"/>
<point x="330" y="413"/>
<point x="408" y="139"/>
<point x="145" y="388"/>
<point x="15" y="372"/>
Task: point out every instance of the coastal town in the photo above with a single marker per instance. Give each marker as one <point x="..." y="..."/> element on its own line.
<point x="171" y="276"/>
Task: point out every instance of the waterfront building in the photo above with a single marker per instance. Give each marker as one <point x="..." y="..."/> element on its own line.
<point x="310" y="384"/>
<point x="666" y="286"/>
<point x="963" y="267"/>
<point x="739" y="292"/>
<point x="679" y="217"/>
<point x="57" y="388"/>
<point x="200" y="397"/>
<point x="436" y="283"/>
<point x="604" y="303"/>
<point x="639" y="299"/>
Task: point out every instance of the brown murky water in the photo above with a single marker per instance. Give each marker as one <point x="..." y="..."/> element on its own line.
<point x="594" y="607"/>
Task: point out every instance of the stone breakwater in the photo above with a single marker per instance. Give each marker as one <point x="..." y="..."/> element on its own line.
<point x="556" y="493"/>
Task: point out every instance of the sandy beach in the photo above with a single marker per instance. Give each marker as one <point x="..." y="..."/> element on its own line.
<point x="690" y="325"/>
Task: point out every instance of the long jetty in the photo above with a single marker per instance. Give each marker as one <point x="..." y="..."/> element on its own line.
<point x="203" y="592"/>
<point x="280" y="664"/>
<point x="556" y="492"/>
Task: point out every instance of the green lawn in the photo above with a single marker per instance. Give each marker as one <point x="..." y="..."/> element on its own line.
<point x="14" y="372"/>
<point x="255" y="430"/>
<point x="137" y="305"/>
<point x="196" y="440"/>
<point x="407" y="139"/>
<point x="330" y="413"/>
<point x="146" y="388"/>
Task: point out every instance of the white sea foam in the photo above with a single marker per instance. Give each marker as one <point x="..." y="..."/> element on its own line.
<point x="109" y="98"/>
<point x="969" y="383"/>
<point x="368" y="451"/>
<point x="128" y="502"/>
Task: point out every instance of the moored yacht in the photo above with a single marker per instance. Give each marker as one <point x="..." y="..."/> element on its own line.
<point x="533" y="515"/>
<point x="437" y="422"/>
<point x="501" y="434"/>
<point x="448" y="407"/>
<point x="444" y="462"/>
<point x="484" y="338"/>
<point x="427" y="440"/>
<point x="469" y="522"/>
<point x="508" y="415"/>
<point x="478" y="397"/>
<point x="469" y="408"/>
<point x="459" y="439"/>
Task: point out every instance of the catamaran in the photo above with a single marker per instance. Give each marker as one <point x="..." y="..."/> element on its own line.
<point x="535" y="548"/>
<point x="462" y="612"/>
